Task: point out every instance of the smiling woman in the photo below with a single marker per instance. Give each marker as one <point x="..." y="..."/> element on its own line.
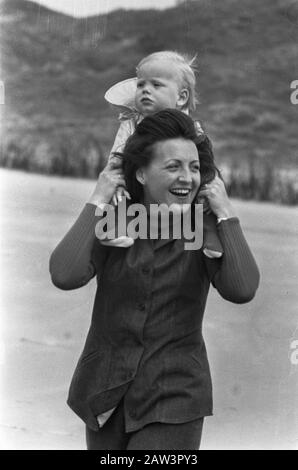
<point x="166" y="156"/>
<point x="143" y="379"/>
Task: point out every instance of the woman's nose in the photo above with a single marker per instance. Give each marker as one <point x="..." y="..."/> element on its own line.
<point x="185" y="176"/>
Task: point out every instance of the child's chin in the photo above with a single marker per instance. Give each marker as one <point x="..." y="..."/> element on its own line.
<point x="148" y="112"/>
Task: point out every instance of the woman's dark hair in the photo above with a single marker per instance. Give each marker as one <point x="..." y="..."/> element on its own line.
<point x="164" y="125"/>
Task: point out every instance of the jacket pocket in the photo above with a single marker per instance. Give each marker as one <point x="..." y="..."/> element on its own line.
<point x="88" y="357"/>
<point x="196" y="359"/>
<point x="90" y="376"/>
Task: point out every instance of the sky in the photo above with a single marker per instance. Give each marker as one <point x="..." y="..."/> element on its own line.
<point x="81" y="8"/>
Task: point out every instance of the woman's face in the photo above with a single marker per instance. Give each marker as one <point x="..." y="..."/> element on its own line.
<point x="173" y="175"/>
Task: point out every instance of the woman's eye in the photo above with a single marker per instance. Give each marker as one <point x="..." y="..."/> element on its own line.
<point x="196" y="168"/>
<point x="156" y="85"/>
<point x="172" y="167"/>
<point x="139" y="85"/>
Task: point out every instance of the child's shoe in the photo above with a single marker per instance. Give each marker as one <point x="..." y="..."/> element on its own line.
<point x="120" y="242"/>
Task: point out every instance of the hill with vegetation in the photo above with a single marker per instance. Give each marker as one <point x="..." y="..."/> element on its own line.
<point x="56" y="69"/>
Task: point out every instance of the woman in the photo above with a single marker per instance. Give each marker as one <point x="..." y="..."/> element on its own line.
<point x="143" y="379"/>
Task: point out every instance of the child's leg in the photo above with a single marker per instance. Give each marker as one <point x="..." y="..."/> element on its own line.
<point x="118" y="241"/>
<point x="212" y="246"/>
<point x="113" y="235"/>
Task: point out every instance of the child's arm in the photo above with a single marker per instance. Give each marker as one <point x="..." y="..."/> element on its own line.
<point x="125" y="130"/>
<point x="202" y="200"/>
<point x="198" y="127"/>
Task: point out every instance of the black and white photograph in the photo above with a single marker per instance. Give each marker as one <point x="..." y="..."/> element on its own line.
<point x="149" y="225"/>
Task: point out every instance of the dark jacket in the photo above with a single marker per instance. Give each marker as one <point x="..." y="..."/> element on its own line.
<point x="145" y="341"/>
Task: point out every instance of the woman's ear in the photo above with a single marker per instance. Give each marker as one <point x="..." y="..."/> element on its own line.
<point x="140" y="176"/>
<point x="183" y="97"/>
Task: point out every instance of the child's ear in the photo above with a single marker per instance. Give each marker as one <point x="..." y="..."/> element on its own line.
<point x="140" y="176"/>
<point x="183" y="97"/>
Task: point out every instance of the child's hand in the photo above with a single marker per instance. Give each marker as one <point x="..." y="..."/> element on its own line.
<point x="119" y="194"/>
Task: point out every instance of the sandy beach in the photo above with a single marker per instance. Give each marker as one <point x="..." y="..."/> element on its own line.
<point x="43" y="329"/>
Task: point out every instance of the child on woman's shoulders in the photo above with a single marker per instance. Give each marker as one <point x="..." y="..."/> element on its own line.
<point x="164" y="79"/>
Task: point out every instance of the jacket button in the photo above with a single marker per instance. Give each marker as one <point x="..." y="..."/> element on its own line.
<point x="142" y="307"/>
<point x="146" y="270"/>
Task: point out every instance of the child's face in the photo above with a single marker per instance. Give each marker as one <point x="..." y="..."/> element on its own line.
<point x="157" y="87"/>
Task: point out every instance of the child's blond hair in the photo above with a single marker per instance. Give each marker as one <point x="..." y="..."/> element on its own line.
<point x="186" y="65"/>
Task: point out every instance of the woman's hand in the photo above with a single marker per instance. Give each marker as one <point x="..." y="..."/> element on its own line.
<point x="218" y="199"/>
<point x="108" y="180"/>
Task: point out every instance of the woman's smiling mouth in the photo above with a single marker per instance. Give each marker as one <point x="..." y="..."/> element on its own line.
<point x="180" y="192"/>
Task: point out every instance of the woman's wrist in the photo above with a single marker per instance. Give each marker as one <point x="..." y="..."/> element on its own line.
<point x="226" y="213"/>
<point x="97" y="200"/>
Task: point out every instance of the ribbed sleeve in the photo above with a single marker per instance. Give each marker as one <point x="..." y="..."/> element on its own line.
<point x="236" y="275"/>
<point x="71" y="263"/>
